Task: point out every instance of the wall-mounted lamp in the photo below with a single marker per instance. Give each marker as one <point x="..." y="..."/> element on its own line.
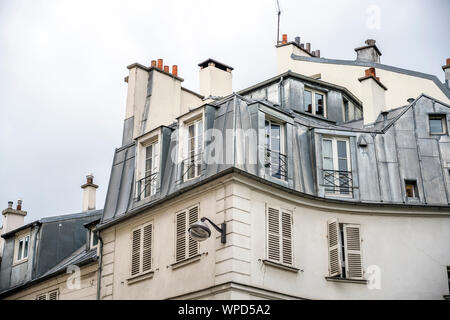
<point x="200" y="231"/>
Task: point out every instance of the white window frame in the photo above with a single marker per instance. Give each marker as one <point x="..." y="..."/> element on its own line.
<point x="19" y="238"/>
<point x="282" y="141"/>
<point x="313" y="102"/>
<point x="91" y="240"/>
<point x="198" y="151"/>
<point x="46" y="295"/>
<point x="154" y="141"/>
<point x="334" y="140"/>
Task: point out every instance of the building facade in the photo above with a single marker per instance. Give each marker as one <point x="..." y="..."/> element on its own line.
<point x="332" y="179"/>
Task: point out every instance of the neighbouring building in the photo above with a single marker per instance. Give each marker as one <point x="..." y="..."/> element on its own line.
<point x="332" y="180"/>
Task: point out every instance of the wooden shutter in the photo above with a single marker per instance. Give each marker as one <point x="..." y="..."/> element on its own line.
<point x="180" y="242"/>
<point x="53" y="295"/>
<point x="352" y="244"/>
<point x="147" y="247"/>
<point x="333" y="248"/>
<point x="273" y="234"/>
<point x="136" y="252"/>
<point x="42" y="297"/>
<point x="286" y="237"/>
<point x="193" y="244"/>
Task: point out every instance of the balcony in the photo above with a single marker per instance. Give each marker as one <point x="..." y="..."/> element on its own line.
<point x="338" y="182"/>
<point x="146" y="186"/>
<point x="276" y="164"/>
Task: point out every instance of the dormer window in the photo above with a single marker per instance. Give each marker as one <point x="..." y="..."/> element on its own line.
<point x="438" y="124"/>
<point x="337" y="175"/>
<point x="93" y="239"/>
<point x="148" y="167"/>
<point x="22" y="248"/>
<point x="314" y="102"/>
<point x="275" y="161"/>
<point x="192" y="165"/>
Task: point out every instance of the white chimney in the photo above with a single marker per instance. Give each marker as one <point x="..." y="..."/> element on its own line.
<point x="89" y="192"/>
<point x="446" y="69"/>
<point x="373" y="96"/>
<point x="215" y="79"/>
<point x="12" y="219"/>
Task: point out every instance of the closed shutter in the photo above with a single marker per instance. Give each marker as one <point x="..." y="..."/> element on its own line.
<point x="352" y="243"/>
<point x="53" y="295"/>
<point x="147" y="247"/>
<point x="136" y="252"/>
<point x="180" y="245"/>
<point x="273" y="234"/>
<point x="333" y="248"/>
<point x="42" y="297"/>
<point x="193" y="244"/>
<point x="286" y="237"/>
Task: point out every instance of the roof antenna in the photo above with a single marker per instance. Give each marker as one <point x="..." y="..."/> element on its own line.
<point x="278" y="30"/>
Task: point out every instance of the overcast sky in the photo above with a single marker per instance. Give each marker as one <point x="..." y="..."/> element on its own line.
<point x="62" y="65"/>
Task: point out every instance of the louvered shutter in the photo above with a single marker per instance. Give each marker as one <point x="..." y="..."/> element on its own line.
<point x="273" y="234"/>
<point x="42" y="297"/>
<point x="333" y="248"/>
<point x="180" y="245"/>
<point x="352" y="244"/>
<point x="53" y="295"/>
<point x="193" y="244"/>
<point x="147" y="247"/>
<point x="136" y="252"/>
<point x="286" y="237"/>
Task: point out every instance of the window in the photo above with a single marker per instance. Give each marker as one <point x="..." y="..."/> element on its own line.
<point x="337" y="176"/>
<point x="411" y="189"/>
<point x="22" y="247"/>
<point x="93" y="239"/>
<point x="344" y="250"/>
<point x="448" y="277"/>
<point x="193" y="163"/>
<point x="438" y="124"/>
<point x="141" y="249"/>
<point x="314" y="102"/>
<point x="346" y="111"/>
<point x="185" y="246"/>
<point x="275" y="163"/>
<point x="51" y="295"/>
<point x="279" y="235"/>
<point x="151" y="168"/>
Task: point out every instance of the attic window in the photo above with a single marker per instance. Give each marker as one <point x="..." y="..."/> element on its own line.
<point x="437" y="124"/>
<point x="22" y="248"/>
<point x="314" y="102"/>
<point x="411" y="189"/>
<point x="93" y="239"/>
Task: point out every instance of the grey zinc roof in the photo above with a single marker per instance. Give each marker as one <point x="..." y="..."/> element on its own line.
<point x="237" y="112"/>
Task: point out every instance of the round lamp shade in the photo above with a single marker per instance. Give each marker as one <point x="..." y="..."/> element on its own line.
<point x="199" y="231"/>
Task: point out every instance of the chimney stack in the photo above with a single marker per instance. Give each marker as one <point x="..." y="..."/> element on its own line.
<point x="446" y="69"/>
<point x="373" y="96"/>
<point x="369" y="52"/>
<point x="160" y="64"/>
<point x="89" y="193"/>
<point x="308" y="47"/>
<point x="153" y="63"/>
<point x="175" y="70"/>
<point x="284" y="39"/>
<point x="297" y="40"/>
<point x="13" y="218"/>
<point x="215" y="79"/>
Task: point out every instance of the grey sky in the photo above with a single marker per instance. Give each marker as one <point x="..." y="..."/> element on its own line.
<point x="62" y="65"/>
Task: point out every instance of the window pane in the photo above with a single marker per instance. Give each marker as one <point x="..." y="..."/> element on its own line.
<point x="148" y="152"/>
<point x="19" y="251"/>
<point x="25" y="249"/>
<point x="342" y="149"/>
<point x="328" y="163"/>
<point x="343" y="165"/>
<point x="307" y="100"/>
<point x="94" y="238"/>
<point x="346" y="114"/>
<point x="436" y="126"/>
<point x="319" y="104"/>
<point x="327" y="148"/>
<point x="200" y="135"/>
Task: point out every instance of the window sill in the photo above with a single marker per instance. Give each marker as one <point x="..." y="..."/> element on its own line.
<point x="447" y="297"/>
<point x="184" y="262"/>
<point x="141" y="277"/>
<point x="345" y="280"/>
<point x="16" y="263"/>
<point x="280" y="266"/>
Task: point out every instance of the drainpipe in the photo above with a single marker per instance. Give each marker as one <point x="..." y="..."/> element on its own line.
<point x="100" y="261"/>
<point x="280" y="92"/>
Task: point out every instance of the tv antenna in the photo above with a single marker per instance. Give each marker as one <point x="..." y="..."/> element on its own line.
<point x="278" y="29"/>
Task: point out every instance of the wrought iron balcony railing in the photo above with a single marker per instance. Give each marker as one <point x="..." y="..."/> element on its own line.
<point x="276" y="163"/>
<point x="338" y="182"/>
<point x="192" y="166"/>
<point x="146" y="186"/>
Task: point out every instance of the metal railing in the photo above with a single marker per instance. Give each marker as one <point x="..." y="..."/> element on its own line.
<point x="276" y="163"/>
<point x="338" y="182"/>
<point x="146" y="186"/>
<point x="192" y="166"/>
